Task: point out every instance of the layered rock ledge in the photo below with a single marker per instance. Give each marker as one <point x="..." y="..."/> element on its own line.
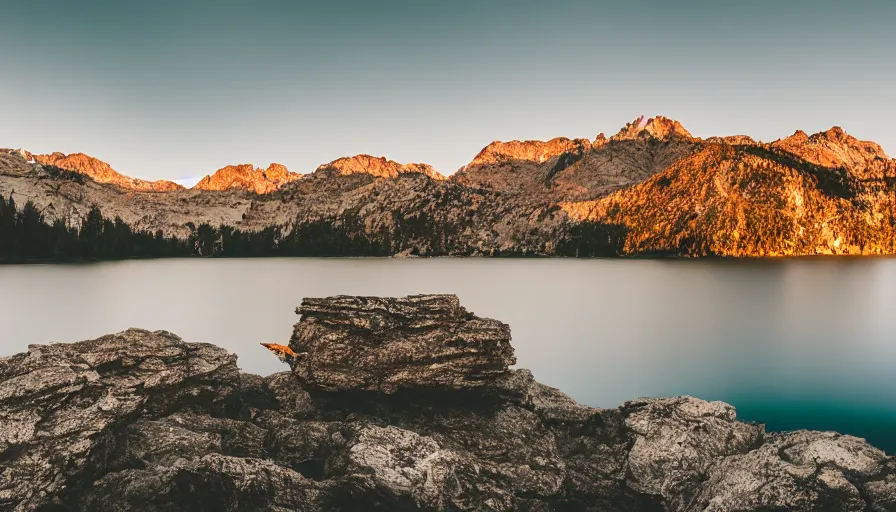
<point x="389" y="404"/>
<point x="382" y="344"/>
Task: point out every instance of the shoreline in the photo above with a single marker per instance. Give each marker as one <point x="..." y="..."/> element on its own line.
<point x="726" y="259"/>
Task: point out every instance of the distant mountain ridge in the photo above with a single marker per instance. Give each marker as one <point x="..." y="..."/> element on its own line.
<point x="246" y="177"/>
<point x="240" y="176"/>
<point x="833" y="147"/>
<point x="101" y="172"/>
<point x="652" y="188"/>
<point x="377" y="167"/>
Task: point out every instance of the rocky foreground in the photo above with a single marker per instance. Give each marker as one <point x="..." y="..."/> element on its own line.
<point x="390" y="404"/>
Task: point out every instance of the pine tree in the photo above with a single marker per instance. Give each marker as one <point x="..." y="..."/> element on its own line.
<point x="89" y="235"/>
<point x="29" y="230"/>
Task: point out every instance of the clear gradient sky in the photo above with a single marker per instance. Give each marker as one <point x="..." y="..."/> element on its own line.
<point x="171" y="89"/>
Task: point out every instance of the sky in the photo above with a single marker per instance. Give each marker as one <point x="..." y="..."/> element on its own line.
<point x="177" y="89"/>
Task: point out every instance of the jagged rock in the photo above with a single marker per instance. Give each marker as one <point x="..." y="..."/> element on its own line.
<point x="406" y="464"/>
<point x="799" y="471"/>
<point x="57" y="401"/>
<point x="212" y="482"/>
<point x="246" y="177"/>
<point x="377" y="344"/>
<point x="101" y="172"/>
<point x="377" y="167"/>
<point x="551" y="404"/>
<point x="144" y="421"/>
<point x="564" y="169"/>
<point x="835" y="149"/>
<point x="530" y="150"/>
<point x="659" y="127"/>
<point x="668" y="449"/>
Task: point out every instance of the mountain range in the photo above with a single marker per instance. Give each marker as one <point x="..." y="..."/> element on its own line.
<point x="651" y="189"/>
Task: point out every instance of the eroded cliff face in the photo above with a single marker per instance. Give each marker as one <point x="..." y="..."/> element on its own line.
<point x="145" y="421"/>
<point x="652" y="188"/>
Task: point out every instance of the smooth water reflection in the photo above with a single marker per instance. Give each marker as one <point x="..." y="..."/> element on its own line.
<point x="797" y="344"/>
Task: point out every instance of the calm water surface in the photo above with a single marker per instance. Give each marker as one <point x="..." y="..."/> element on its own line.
<point x="795" y="344"/>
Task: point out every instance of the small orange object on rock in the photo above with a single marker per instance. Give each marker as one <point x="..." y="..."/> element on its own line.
<point x="283" y="352"/>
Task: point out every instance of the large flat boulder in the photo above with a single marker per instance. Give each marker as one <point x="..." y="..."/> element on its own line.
<point x="384" y="344"/>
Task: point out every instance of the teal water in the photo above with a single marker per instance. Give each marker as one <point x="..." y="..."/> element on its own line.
<point x="875" y="423"/>
<point x="794" y="343"/>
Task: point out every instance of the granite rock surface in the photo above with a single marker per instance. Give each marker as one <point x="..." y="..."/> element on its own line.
<point x="145" y="421"/>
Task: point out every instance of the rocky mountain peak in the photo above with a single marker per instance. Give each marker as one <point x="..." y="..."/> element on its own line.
<point x="835" y="133"/>
<point x="276" y="169"/>
<point x="379" y="167"/>
<point x="529" y="150"/>
<point x="798" y="137"/>
<point x="838" y="136"/>
<point x="659" y="127"/>
<point x="245" y="176"/>
<point x="25" y="154"/>
<point x="100" y="171"/>
<point x="833" y="148"/>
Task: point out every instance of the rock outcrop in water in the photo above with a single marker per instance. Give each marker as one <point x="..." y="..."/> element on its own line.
<point x="145" y="421"/>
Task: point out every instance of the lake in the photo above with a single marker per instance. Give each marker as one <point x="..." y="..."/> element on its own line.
<point x="792" y="343"/>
